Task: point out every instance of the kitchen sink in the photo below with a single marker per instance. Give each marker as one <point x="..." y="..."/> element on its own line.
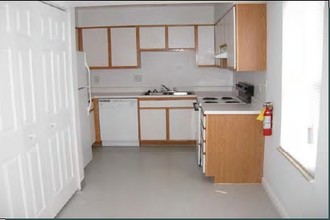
<point x="178" y="93"/>
<point x="168" y="93"/>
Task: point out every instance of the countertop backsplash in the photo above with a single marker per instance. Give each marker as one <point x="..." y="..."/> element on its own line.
<point x="173" y="69"/>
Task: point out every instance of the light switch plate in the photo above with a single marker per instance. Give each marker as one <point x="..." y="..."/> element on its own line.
<point x="96" y="79"/>
<point x="137" y="78"/>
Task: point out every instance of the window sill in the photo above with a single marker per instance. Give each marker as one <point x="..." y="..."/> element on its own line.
<point x="307" y="175"/>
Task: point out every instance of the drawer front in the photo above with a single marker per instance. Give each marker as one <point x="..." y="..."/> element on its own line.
<point x="167" y="104"/>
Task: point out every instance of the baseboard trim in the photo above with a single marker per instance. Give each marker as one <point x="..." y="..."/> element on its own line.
<point x="276" y="202"/>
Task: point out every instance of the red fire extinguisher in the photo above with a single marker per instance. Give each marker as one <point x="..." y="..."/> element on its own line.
<point x="268" y="119"/>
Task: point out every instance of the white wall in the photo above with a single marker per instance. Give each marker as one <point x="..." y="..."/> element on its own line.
<point x="174" y="69"/>
<point x="178" y="69"/>
<point x="293" y="195"/>
<point x="220" y="10"/>
<point x="135" y="15"/>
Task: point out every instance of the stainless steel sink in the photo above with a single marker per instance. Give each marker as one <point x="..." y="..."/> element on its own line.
<point x="168" y="93"/>
<point x="179" y="93"/>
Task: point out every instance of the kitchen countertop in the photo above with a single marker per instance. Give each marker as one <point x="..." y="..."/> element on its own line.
<point x="252" y="108"/>
<point x="139" y="94"/>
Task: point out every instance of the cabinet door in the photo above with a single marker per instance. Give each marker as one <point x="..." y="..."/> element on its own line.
<point x="217" y="41"/>
<point x="231" y="36"/>
<point x="206" y="45"/>
<point x="251" y="37"/>
<point x="92" y="126"/>
<point x="223" y="30"/>
<point x="123" y="47"/>
<point x="182" y="124"/>
<point x="96" y="53"/>
<point x="182" y="37"/>
<point x="153" y="124"/>
<point x="235" y="148"/>
<point x="152" y="38"/>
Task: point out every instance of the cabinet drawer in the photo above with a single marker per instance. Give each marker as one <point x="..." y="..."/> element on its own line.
<point x="167" y="104"/>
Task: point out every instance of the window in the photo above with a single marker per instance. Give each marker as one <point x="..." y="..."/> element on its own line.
<point x="301" y="81"/>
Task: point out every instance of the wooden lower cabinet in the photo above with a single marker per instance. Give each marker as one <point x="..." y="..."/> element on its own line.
<point x="235" y="148"/>
<point x="167" y="121"/>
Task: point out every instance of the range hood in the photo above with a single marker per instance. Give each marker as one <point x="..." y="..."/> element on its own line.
<point x="222" y="52"/>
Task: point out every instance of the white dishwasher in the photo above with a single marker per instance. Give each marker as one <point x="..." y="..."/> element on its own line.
<point x="119" y="122"/>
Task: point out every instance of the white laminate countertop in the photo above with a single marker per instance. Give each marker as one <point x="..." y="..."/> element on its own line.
<point x="116" y="95"/>
<point x="139" y="94"/>
<point x="252" y="108"/>
<point x="224" y="109"/>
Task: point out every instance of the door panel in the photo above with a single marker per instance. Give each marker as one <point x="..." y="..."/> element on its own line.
<point x="181" y="37"/>
<point x="26" y="86"/>
<point x="153" y="124"/>
<point x="37" y="186"/>
<point x="54" y="155"/>
<point x="15" y="187"/>
<point x="48" y="78"/>
<point x="7" y="118"/>
<point x="182" y="124"/>
<point x="124" y="47"/>
<point x="96" y="54"/>
<point x="206" y="45"/>
<point x="67" y="152"/>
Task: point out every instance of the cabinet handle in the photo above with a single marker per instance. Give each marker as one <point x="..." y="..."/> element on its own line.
<point x="31" y="136"/>
<point x="52" y="125"/>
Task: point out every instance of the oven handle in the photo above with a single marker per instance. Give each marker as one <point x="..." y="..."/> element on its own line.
<point x="196" y="106"/>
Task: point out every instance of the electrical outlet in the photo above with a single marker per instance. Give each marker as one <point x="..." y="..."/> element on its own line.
<point x="137" y="78"/>
<point x="96" y="79"/>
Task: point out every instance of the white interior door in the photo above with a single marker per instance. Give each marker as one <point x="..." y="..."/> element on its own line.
<point x="37" y="160"/>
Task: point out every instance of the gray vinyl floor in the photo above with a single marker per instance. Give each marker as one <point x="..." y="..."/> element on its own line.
<point x="160" y="182"/>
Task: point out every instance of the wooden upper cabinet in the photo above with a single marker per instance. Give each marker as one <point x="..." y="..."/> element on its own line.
<point x="181" y="37"/>
<point x="251" y="37"/>
<point x="152" y="38"/>
<point x="96" y="53"/>
<point x="247" y="37"/>
<point x="205" y="48"/>
<point x="124" y="47"/>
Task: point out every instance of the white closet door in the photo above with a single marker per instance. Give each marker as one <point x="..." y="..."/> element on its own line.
<point x="37" y="163"/>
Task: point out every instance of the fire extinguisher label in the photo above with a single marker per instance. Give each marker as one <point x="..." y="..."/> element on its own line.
<point x="267" y="122"/>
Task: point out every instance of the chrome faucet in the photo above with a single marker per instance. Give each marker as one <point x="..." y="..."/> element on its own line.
<point x="164" y="87"/>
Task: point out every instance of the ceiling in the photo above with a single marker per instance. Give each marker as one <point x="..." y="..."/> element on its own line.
<point x="132" y="3"/>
